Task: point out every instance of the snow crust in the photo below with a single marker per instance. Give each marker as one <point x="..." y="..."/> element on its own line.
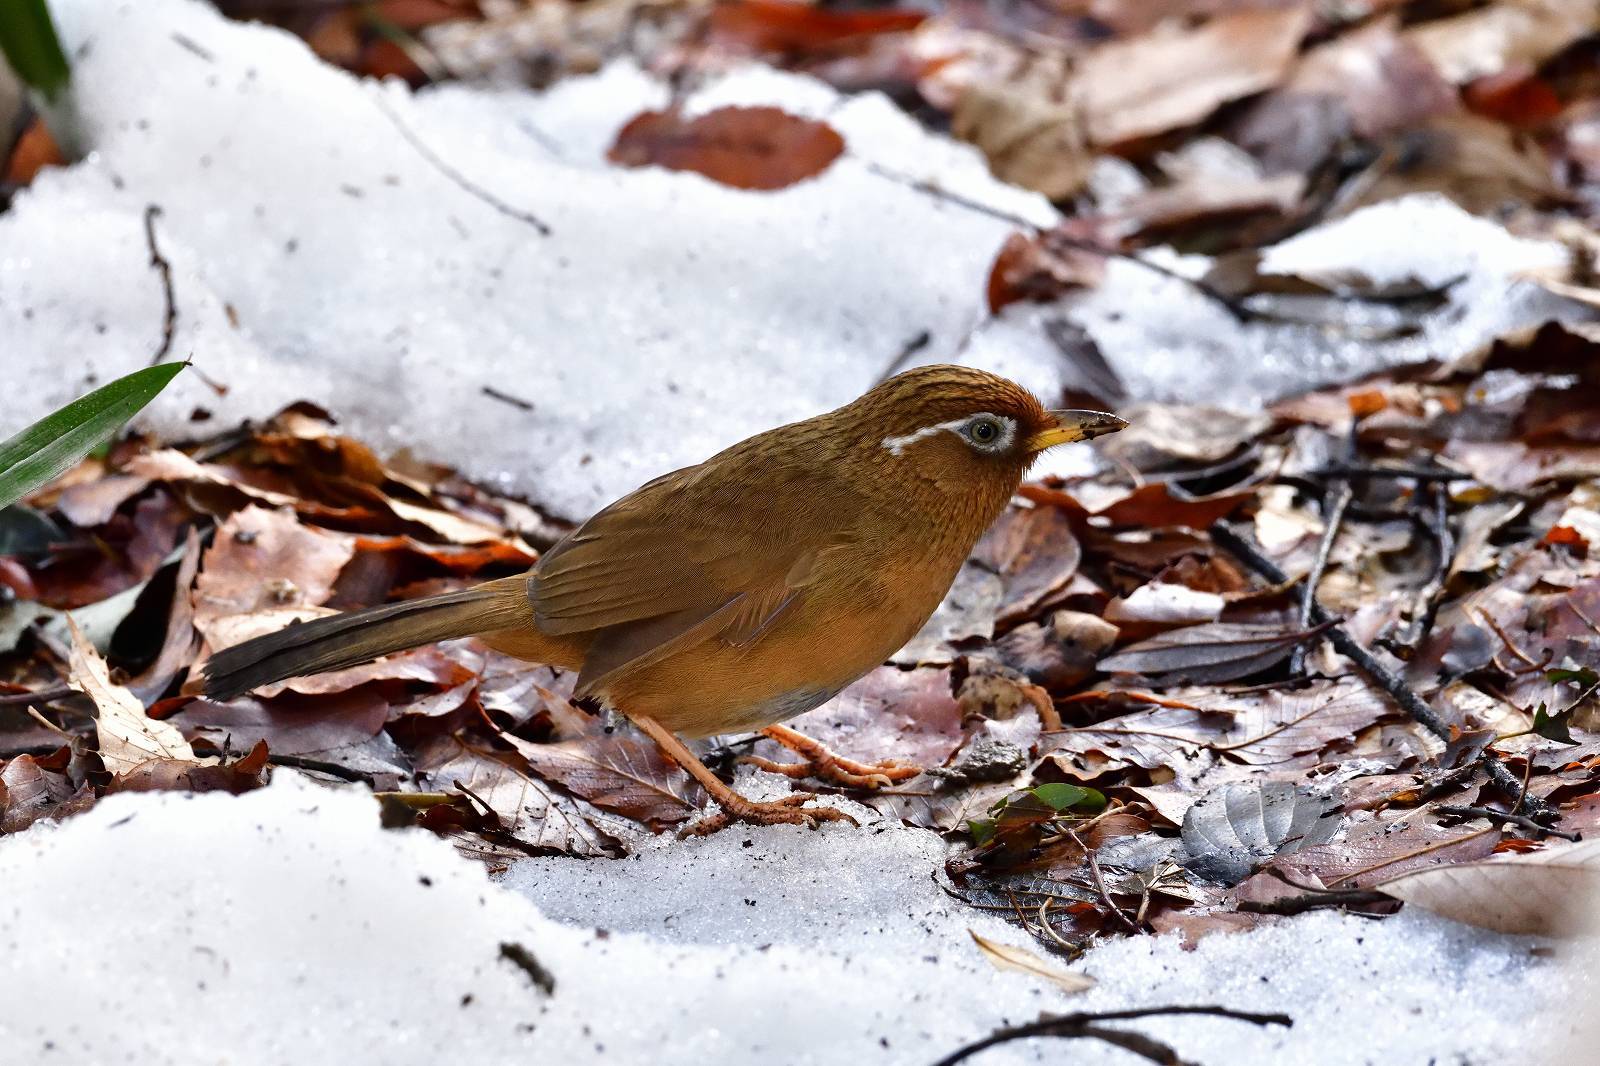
<point x="286" y="926"/>
<point x="317" y="253"/>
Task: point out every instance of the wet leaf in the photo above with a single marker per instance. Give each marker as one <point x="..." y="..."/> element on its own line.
<point x="745" y="147"/>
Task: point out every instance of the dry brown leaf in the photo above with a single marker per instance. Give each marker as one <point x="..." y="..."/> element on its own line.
<point x="1547" y="893"/>
<point x="1022" y="960"/>
<point x="745" y="147"/>
<point x="622" y="773"/>
<point x="127" y="737"/>
<point x="528" y="808"/>
<point x="1169" y="78"/>
<point x="265" y="561"/>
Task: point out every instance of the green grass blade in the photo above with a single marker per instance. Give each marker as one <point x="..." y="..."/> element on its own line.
<point x="28" y="39"/>
<point x="52" y="444"/>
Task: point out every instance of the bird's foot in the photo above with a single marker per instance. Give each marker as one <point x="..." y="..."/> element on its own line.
<point x="825" y="765"/>
<point x="785" y="811"/>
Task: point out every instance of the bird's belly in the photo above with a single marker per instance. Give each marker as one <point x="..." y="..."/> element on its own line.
<point x="716" y="688"/>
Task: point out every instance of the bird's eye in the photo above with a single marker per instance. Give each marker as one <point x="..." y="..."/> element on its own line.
<point x="986" y="432"/>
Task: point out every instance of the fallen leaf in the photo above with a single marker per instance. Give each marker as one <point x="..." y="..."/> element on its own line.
<point x="1176" y="77"/>
<point x="534" y="812"/>
<point x="127" y="737"/>
<point x="618" y="772"/>
<point x="1217" y="651"/>
<point x="1545" y="893"/>
<point x="1231" y="831"/>
<point x="1022" y="960"/>
<point x="780" y="26"/>
<point x="745" y="147"/>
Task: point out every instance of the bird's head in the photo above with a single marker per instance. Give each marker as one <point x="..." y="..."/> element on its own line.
<point x="955" y="426"/>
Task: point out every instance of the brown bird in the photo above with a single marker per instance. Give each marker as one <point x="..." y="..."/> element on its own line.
<point x="753" y="587"/>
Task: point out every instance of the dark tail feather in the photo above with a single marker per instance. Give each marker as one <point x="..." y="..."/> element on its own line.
<point x="357" y="637"/>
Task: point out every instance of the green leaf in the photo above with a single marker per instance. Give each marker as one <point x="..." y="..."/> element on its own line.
<point x="1553" y="726"/>
<point x="55" y="442"/>
<point x="981" y="830"/>
<point x="1583" y="677"/>
<point x="28" y="39"/>
<point x="1060" y="796"/>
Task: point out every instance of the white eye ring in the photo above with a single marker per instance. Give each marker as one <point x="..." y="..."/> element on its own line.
<point x="989" y="433"/>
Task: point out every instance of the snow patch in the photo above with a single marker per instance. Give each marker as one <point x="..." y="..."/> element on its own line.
<point x="300" y="931"/>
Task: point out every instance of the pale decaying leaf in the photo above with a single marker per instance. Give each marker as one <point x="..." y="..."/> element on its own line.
<point x="1162" y="80"/>
<point x="1021" y="960"/>
<point x="1547" y="893"/>
<point x="127" y="737"/>
<point x="1499" y="36"/>
<point x="1029" y="125"/>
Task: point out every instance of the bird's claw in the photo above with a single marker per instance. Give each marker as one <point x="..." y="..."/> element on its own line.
<point x="838" y="770"/>
<point x="785" y="811"/>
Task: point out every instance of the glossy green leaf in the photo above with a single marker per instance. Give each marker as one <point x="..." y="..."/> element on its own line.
<point x="28" y="39"/>
<point x="52" y="444"/>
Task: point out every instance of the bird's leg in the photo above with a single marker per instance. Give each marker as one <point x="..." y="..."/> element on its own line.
<point x="825" y="765"/>
<point x="735" y="808"/>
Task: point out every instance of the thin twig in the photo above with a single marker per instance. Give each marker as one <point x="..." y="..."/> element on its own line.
<point x="1506" y="818"/>
<point x="1428" y="597"/>
<point x="455" y="176"/>
<point x="1386" y="679"/>
<point x="1338" y="498"/>
<point x="40" y="697"/>
<point x="1310" y="901"/>
<point x="907" y="350"/>
<point x="1086" y="1024"/>
<point x="1100" y="885"/>
<point x="332" y="769"/>
<point x="515" y="401"/>
<point x="163" y="269"/>
<point x="1361" y="472"/>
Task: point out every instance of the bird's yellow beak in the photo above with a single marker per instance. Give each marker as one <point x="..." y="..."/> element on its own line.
<point x="1073" y="426"/>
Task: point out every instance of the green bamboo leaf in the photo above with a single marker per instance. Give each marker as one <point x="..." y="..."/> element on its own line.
<point x="55" y="442"/>
<point x="28" y="39"/>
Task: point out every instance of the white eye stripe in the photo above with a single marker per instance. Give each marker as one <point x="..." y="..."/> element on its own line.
<point x="1008" y="433"/>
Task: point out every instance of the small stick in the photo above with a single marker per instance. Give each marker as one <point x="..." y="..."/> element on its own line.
<point x="1100" y="884"/>
<point x="163" y="269"/>
<point x="1359" y="472"/>
<point x="455" y="176"/>
<point x="1506" y="818"/>
<point x="1337" y="500"/>
<point x="42" y="696"/>
<point x="1310" y="901"/>
<point x="1398" y="690"/>
<point x="332" y="769"/>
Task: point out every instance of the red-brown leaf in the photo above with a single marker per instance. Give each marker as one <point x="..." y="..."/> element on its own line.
<point x="745" y="147"/>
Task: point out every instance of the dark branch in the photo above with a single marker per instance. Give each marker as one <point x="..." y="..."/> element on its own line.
<point x="1086" y="1024"/>
<point x="1386" y="679"/>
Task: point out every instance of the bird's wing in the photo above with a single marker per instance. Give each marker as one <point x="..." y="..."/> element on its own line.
<point x="689" y="557"/>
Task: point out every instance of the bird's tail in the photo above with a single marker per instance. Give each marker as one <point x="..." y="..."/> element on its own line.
<point x="356" y="637"/>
